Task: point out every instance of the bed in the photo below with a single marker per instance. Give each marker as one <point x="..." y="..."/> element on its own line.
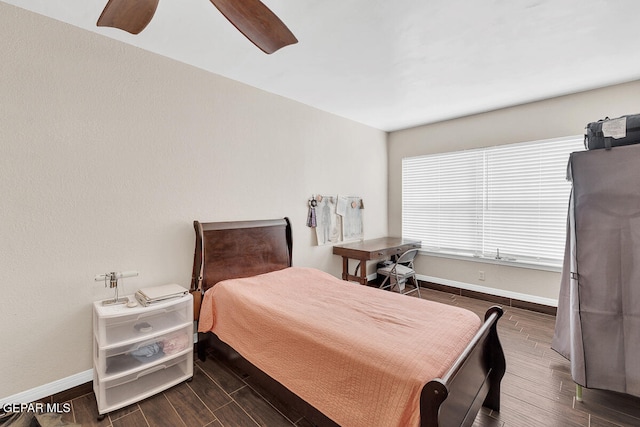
<point x="338" y="352"/>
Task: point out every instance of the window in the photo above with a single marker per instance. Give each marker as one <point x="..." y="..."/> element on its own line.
<point x="507" y="203"/>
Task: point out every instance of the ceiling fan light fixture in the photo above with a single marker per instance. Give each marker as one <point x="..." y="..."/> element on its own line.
<point x="251" y="17"/>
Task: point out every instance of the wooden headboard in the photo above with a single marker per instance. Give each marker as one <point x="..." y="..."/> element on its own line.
<point x="229" y="250"/>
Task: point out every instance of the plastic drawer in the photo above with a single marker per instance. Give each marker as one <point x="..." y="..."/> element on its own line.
<point x="118" y="325"/>
<point x="117" y="360"/>
<point x="125" y="390"/>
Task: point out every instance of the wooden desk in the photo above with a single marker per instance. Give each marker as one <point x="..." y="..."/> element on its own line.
<point x="369" y="250"/>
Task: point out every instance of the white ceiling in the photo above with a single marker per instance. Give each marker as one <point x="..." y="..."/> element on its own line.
<point x="400" y="63"/>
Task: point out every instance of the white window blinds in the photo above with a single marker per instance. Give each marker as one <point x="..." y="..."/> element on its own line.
<point x="507" y="202"/>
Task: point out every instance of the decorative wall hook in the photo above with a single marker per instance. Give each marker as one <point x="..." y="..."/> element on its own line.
<point x="311" y="218"/>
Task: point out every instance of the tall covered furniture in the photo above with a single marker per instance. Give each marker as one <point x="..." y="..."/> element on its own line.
<point x="598" y="318"/>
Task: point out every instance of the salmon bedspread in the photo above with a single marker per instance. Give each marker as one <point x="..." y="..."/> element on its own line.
<point x="360" y="355"/>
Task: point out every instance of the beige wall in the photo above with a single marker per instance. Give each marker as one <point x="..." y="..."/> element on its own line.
<point x="107" y="155"/>
<point x="563" y="116"/>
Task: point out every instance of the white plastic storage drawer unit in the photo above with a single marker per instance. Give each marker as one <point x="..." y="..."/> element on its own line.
<point x="119" y="392"/>
<point x="140" y="351"/>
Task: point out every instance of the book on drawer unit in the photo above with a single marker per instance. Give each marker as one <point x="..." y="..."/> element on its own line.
<point x="154" y="294"/>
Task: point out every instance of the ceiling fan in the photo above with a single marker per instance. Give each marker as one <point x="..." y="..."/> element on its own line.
<point x="251" y="17"/>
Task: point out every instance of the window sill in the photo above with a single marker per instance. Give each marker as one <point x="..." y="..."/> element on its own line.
<point x="506" y="261"/>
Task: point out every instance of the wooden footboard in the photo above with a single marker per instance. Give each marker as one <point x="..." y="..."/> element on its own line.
<point x="454" y="400"/>
<point x="473" y="380"/>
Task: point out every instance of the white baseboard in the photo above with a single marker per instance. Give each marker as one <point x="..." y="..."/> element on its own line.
<point x="491" y="291"/>
<point x="49" y="389"/>
<point x="484" y="289"/>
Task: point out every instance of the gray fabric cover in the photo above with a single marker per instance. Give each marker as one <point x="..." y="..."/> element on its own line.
<point x="598" y="320"/>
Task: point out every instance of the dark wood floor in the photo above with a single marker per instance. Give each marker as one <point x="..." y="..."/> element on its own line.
<point x="537" y="389"/>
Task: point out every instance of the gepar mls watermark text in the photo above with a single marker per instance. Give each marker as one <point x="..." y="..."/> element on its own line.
<point x="59" y="408"/>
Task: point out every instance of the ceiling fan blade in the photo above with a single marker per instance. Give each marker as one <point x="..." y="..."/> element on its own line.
<point x="257" y="22"/>
<point x="128" y="15"/>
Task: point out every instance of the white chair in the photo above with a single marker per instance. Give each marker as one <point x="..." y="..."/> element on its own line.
<point x="399" y="273"/>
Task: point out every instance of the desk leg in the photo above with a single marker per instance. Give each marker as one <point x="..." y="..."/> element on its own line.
<point x="363" y="272"/>
<point x="345" y="268"/>
<point x="362" y="265"/>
